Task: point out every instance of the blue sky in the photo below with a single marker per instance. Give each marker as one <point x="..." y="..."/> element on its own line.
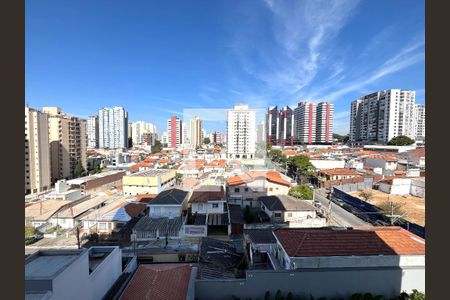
<point x="157" y="58"/>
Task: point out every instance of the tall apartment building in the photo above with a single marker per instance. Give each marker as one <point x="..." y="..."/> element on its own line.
<point x="305" y="123"/>
<point x="37" y="152"/>
<point x="383" y="115"/>
<point x="324" y="122"/>
<point x="241" y="129"/>
<point x="261" y="132"/>
<point x="280" y="125"/>
<point x="92" y="132"/>
<point x="195" y="132"/>
<point x="420" y="122"/>
<point x="216" y="137"/>
<point x="174" y="132"/>
<point x="140" y="129"/>
<point x="113" y="128"/>
<point x="68" y="143"/>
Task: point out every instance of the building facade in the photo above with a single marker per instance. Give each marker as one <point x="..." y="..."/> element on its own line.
<point x="420" y="122"/>
<point x="174" y="132"/>
<point x="305" y="123"/>
<point x="37" y="152"/>
<point x="68" y="143"/>
<point x="383" y="115"/>
<point x="92" y="132"/>
<point x="324" y="123"/>
<point x="280" y="126"/>
<point x="113" y="128"/>
<point x="195" y="130"/>
<point x="241" y="132"/>
<point x="141" y="131"/>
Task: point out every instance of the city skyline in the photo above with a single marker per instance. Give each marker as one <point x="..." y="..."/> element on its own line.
<point x="103" y="63"/>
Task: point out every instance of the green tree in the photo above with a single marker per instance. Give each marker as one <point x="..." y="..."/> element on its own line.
<point x="206" y="141"/>
<point x="401" y="140"/>
<point x="301" y="192"/>
<point x="178" y="177"/>
<point x="416" y="295"/>
<point x="79" y="169"/>
<point x="275" y="154"/>
<point x="29" y="231"/>
<point x="268" y="146"/>
<point x="301" y="164"/>
<point x="157" y="147"/>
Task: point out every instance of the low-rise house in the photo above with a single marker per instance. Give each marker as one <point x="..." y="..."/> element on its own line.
<point x="192" y="168"/>
<point x="208" y="199"/>
<point x="287" y="209"/>
<point x="62" y="191"/>
<point x="39" y="213"/>
<point x="392" y="251"/>
<point x="161" y="281"/>
<point x="70" y="217"/>
<point x="112" y="217"/>
<point x="72" y="273"/>
<point x="169" y="203"/>
<point x="148" y="182"/>
<point x="148" y="228"/>
<point x="215" y="166"/>
<point x="387" y="163"/>
<point x="338" y="174"/>
<point x="246" y="188"/>
<point x="354" y="164"/>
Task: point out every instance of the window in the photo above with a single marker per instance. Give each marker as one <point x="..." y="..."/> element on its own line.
<point x="270" y="189"/>
<point x="215" y="205"/>
<point x="289" y="214"/>
<point x="277" y="215"/>
<point x="246" y="189"/>
<point x="236" y="190"/>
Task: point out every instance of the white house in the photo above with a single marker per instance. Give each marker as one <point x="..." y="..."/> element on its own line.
<point x="208" y="199"/>
<point x="169" y="203"/>
<point x="287" y="209"/>
<point x="72" y="274"/>
<point x="387" y="163"/>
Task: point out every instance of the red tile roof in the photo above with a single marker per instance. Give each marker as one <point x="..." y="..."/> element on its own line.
<point x="359" y="241"/>
<point x="339" y="171"/>
<point x="135" y="209"/>
<point x="159" y="282"/>
<point x="203" y="196"/>
<point x="385" y="158"/>
<point x="217" y="163"/>
<point x="271" y="176"/>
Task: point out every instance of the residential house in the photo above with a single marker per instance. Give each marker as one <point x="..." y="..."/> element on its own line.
<point x="192" y="168"/>
<point x="169" y="203"/>
<point x="215" y="166"/>
<point x="386" y="163"/>
<point x="397" y="255"/>
<point x="337" y="174"/>
<point x="246" y="188"/>
<point x="148" y="182"/>
<point x="294" y="212"/>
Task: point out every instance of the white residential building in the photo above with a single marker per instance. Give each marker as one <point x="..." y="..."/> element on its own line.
<point x="305" y="123"/>
<point x="37" y="152"/>
<point x="383" y="115"/>
<point x="139" y="129"/>
<point x="420" y="122"/>
<point x="195" y="132"/>
<point x="324" y="123"/>
<point x="92" y="132"/>
<point x="241" y="129"/>
<point x="113" y="128"/>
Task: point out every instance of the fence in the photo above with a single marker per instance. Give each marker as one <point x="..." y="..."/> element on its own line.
<point x="372" y="214"/>
<point x="322" y="282"/>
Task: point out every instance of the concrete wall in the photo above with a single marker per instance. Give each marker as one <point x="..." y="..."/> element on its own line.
<point x="170" y="211"/>
<point x="418" y="188"/>
<point x="327" y="164"/>
<point x="195" y="230"/>
<point x="104" y="276"/>
<point x="331" y="282"/>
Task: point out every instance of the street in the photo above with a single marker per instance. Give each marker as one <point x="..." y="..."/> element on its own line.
<point x="339" y="216"/>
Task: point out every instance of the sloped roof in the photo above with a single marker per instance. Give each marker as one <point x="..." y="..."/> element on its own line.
<point x="285" y="203"/>
<point x="339" y="171"/>
<point x="358" y="241"/>
<point x="159" y="282"/>
<point x="169" y="197"/>
<point x="271" y="176"/>
<point x="207" y="193"/>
